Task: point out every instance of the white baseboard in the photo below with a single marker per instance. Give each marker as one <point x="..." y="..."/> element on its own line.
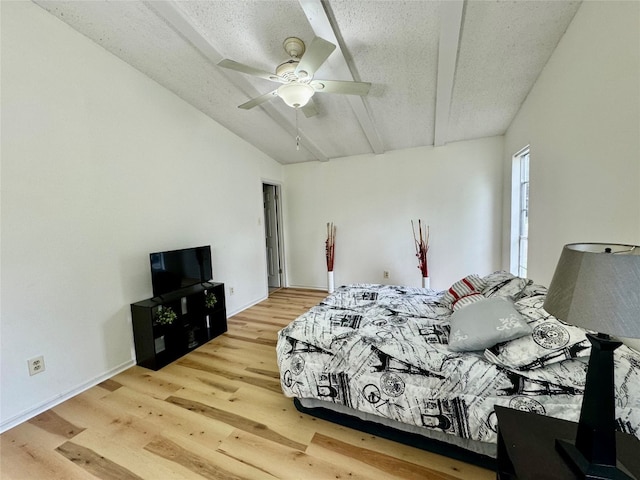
<point x="244" y="307"/>
<point x="58" y="399"/>
<point x="310" y="287"/>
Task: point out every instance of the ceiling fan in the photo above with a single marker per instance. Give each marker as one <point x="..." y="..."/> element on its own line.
<point x="296" y="76"/>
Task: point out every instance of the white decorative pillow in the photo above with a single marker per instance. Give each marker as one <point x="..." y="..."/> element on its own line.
<point x="504" y="284"/>
<point x="485" y="323"/>
<point x="468" y="285"/>
<point x="550" y="341"/>
<point x="533" y="290"/>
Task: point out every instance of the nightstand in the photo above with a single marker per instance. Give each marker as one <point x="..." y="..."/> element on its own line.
<point x="526" y="447"/>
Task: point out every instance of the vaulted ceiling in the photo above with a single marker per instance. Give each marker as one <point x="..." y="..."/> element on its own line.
<point x="440" y="70"/>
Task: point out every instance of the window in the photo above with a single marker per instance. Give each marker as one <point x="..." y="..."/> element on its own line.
<point x="520" y="213"/>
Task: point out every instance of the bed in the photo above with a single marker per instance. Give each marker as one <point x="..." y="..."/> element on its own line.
<point x="427" y="367"/>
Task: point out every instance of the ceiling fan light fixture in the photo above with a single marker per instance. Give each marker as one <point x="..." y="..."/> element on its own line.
<point x="296" y="94"/>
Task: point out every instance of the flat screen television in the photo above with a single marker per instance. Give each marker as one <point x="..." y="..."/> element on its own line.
<point x="176" y="269"/>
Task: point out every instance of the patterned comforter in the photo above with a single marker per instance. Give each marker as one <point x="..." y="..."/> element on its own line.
<point x="383" y="350"/>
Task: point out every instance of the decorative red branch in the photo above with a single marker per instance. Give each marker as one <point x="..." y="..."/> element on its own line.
<point x="330" y="245"/>
<point x="422" y="246"/>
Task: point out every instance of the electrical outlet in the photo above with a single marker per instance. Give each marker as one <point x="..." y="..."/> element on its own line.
<point x="385" y="274"/>
<point x="231" y="291"/>
<point x="36" y="365"/>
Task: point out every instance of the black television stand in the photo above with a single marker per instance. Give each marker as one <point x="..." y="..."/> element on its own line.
<point x="195" y="324"/>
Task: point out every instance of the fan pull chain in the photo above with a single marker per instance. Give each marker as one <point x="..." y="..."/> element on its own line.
<point x="297" y="132"/>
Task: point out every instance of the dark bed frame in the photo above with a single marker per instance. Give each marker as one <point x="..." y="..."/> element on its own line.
<point x="406" y="438"/>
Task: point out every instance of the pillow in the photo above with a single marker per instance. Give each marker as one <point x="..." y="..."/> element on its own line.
<point x="468" y="285"/>
<point x="550" y="341"/>
<point x="504" y="284"/>
<point x="533" y="290"/>
<point x="483" y="324"/>
<point x="467" y="300"/>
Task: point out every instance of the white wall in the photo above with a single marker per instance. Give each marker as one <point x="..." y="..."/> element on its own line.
<point x="582" y="119"/>
<point x="100" y="167"/>
<point x="456" y="189"/>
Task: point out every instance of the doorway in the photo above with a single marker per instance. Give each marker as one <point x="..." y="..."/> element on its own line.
<point x="272" y="233"/>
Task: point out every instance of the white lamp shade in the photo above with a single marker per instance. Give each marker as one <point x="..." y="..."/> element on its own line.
<point x="295" y="94"/>
<point x="596" y="286"/>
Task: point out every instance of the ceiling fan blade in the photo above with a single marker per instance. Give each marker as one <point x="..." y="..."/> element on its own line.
<point x="310" y="109"/>
<point x="259" y="100"/>
<point x="256" y="72"/>
<point x="316" y="54"/>
<point x="340" y="86"/>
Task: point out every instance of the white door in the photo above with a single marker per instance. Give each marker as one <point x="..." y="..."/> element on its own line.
<point x="274" y="271"/>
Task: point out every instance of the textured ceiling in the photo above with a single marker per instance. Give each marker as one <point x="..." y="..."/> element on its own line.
<point x="441" y="71"/>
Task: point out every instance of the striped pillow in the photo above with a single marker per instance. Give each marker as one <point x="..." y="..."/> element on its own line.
<point x="467" y="300"/>
<point x="468" y="285"/>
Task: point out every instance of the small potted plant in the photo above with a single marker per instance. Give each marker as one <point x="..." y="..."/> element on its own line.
<point x="210" y="300"/>
<point x="165" y="316"/>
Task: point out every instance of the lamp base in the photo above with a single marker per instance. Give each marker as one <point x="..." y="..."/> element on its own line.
<point x="593" y="454"/>
<point x="590" y="471"/>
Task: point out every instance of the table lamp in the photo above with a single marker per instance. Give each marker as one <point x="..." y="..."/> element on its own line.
<point x="596" y="286"/>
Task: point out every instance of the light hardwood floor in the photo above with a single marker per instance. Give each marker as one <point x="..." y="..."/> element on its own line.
<point x="216" y="413"/>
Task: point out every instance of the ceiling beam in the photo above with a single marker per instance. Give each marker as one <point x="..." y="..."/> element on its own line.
<point x="322" y="27"/>
<point x="450" y="29"/>
<point x="175" y="17"/>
